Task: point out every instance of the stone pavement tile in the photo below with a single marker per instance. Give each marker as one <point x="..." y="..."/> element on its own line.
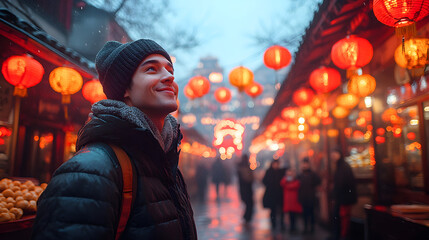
<point x="221" y="218"/>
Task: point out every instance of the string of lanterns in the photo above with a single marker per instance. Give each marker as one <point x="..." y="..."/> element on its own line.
<point x="23" y="72"/>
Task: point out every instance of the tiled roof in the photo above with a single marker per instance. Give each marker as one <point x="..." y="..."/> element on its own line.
<point x="10" y="20"/>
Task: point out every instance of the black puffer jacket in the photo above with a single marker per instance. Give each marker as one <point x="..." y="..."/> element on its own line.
<point x="344" y="191"/>
<point x="83" y="199"/>
<point x="308" y="182"/>
<point x="273" y="195"/>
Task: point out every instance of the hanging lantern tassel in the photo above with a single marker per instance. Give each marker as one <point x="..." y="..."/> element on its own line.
<point x="65" y="100"/>
<point x="20" y="92"/>
<point x="407" y="32"/>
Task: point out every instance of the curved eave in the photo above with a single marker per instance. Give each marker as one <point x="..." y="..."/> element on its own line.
<point x="39" y="43"/>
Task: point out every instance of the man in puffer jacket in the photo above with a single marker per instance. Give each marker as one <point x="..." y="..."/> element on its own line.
<point x="83" y="199"/>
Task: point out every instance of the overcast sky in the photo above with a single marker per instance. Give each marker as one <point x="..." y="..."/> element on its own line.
<point x="226" y="27"/>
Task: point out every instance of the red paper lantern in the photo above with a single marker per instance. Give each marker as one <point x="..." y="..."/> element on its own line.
<point x="240" y="77"/>
<point x="289" y="113"/>
<point x="351" y="53"/>
<point x="413" y="53"/>
<point x="253" y="90"/>
<point x="380" y="131"/>
<point x="411" y="136"/>
<point x="22" y="72"/>
<point x="303" y="96"/>
<point x="93" y="91"/>
<point x="380" y="140"/>
<point x="66" y="81"/>
<point x="188" y="92"/>
<point x="400" y="13"/>
<point x="325" y="79"/>
<point x="199" y="85"/>
<point x="277" y="57"/>
<point x="361" y="85"/>
<point x="327" y="121"/>
<point x="340" y="112"/>
<point x="347" y="100"/>
<point x="222" y="95"/>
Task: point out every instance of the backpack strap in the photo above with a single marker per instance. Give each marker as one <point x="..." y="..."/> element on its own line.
<point x="127" y="189"/>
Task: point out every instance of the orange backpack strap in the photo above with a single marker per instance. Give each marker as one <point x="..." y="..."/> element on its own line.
<point x="127" y="189"/>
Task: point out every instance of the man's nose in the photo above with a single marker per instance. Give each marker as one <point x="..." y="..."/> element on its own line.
<point x="167" y="76"/>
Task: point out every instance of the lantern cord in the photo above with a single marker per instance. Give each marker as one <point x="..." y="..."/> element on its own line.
<point x="66" y="112"/>
<point x="276" y="84"/>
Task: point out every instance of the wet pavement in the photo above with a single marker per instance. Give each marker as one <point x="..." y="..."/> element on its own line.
<point x="222" y="219"/>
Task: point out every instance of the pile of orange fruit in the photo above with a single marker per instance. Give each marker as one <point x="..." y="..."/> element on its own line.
<point x="18" y="198"/>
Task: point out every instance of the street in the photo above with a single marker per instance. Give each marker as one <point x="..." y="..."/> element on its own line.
<point x="222" y="219"/>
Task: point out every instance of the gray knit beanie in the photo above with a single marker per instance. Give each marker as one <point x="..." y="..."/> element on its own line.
<point x="117" y="62"/>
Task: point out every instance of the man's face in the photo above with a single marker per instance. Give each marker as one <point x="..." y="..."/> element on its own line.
<point x="153" y="89"/>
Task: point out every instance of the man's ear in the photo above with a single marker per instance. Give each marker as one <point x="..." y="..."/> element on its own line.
<point x="127" y="93"/>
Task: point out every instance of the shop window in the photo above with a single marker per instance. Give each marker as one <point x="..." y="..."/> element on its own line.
<point x="426" y="124"/>
<point x="405" y="147"/>
<point x="358" y="134"/>
<point x="38" y="163"/>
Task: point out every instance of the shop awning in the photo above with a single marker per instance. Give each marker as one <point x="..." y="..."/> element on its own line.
<point x="39" y="43"/>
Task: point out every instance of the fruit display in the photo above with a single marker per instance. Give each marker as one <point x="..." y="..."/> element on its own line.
<point x="18" y="198"/>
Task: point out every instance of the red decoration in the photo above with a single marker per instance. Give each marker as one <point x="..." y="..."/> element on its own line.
<point x="22" y="72"/>
<point x="277" y="57"/>
<point x="303" y="96"/>
<point x="400" y="13"/>
<point x="93" y="91"/>
<point x="222" y="95"/>
<point x="411" y="136"/>
<point x="380" y="140"/>
<point x="241" y="77"/>
<point x="289" y="113"/>
<point x="397" y="132"/>
<point x="351" y="53"/>
<point x="380" y="131"/>
<point x="199" y="85"/>
<point x="188" y="92"/>
<point x="361" y="85"/>
<point x="325" y="79"/>
<point x="255" y="89"/>
<point x="327" y="121"/>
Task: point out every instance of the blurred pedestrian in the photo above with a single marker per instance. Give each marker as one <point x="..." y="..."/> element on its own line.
<point x="273" y="196"/>
<point x="344" y="194"/>
<point x="309" y="181"/>
<point x="201" y="175"/>
<point x="218" y="176"/>
<point x="84" y="198"/>
<point x="291" y="204"/>
<point x="245" y="182"/>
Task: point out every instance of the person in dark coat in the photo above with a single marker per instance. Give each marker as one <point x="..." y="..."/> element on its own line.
<point x="344" y="194"/>
<point x="83" y="199"/>
<point x="309" y="181"/>
<point x="201" y="175"/>
<point x="245" y="182"/>
<point x="273" y="196"/>
<point x="218" y="176"/>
